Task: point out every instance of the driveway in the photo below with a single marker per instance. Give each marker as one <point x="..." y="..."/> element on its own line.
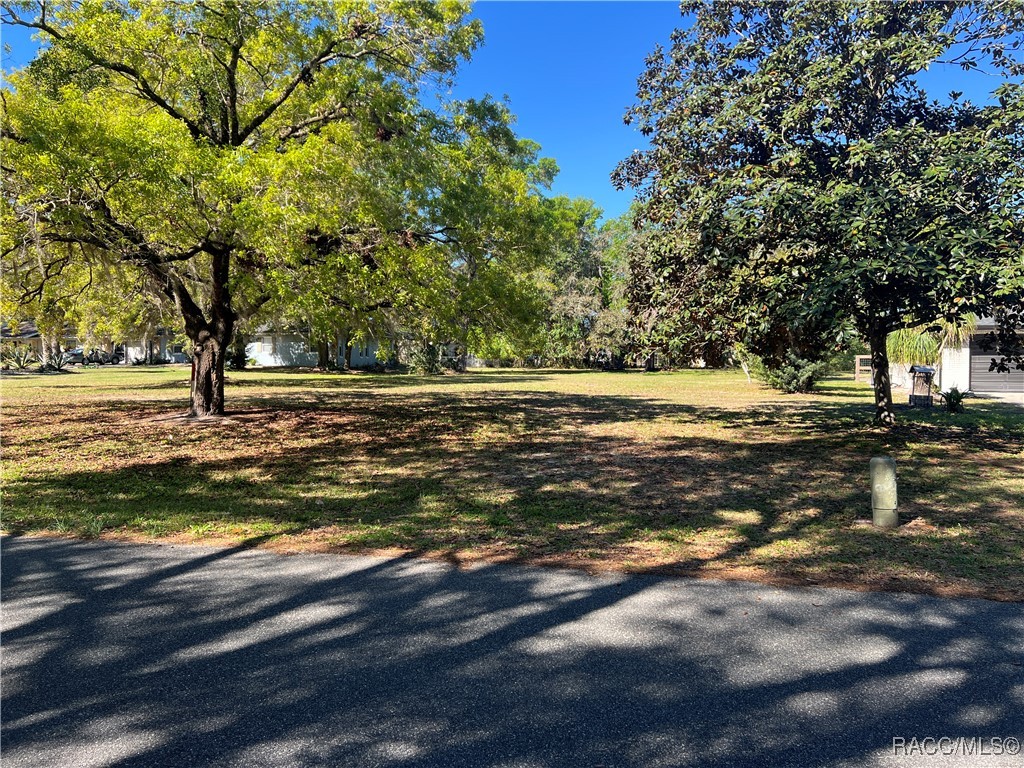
<point x="145" y="655"/>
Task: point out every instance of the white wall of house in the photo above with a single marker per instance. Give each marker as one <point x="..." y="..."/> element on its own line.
<point x="293" y="349"/>
<point x="955" y="369"/>
<point x="277" y="349"/>
<point x="137" y="350"/>
<point x="952" y="370"/>
<point x="899" y="375"/>
<point x="364" y="353"/>
<point x="34" y="343"/>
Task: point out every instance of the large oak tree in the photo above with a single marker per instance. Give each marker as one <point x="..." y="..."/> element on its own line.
<point x="240" y="154"/>
<point x="799" y="176"/>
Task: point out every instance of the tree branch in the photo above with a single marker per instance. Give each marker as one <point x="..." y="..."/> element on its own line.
<point x="133" y="75"/>
<point x="303" y="75"/>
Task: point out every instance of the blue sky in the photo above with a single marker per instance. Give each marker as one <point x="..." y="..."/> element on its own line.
<point x="569" y="70"/>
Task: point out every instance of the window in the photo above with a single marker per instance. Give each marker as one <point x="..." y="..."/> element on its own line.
<point x="364" y="349"/>
<point x="266" y="344"/>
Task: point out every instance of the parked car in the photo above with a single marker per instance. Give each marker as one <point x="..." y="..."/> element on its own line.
<point x="76" y="355"/>
<point x="99" y="357"/>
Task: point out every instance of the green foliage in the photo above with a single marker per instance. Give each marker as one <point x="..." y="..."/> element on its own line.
<point x="793" y="374"/>
<point x="57" y="362"/>
<point x="244" y="160"/>
<point x="585" y="282"/>
<point x="924" y="343"/>
<point x="912" y="345"/>
<point x="953" y="400"/>
<point x="425" y="357"/>
<point x="237" y="359"/>
<point x="19" y="358"/>
<point x="846" y="359"/>
<point x="799" y="177"/>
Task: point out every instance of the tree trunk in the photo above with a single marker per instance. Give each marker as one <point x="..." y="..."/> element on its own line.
<point x="714" y="356"/>
<point x="238" y="356"/>
<point x="47" y="348"/>
<point x="348" y="351"/>
<point x="462" y="348"/>
<point x="208" y="378"/>
<point x="323" y="353"/>
<point x="884" y="413"/>
<point x="210" y="338"/>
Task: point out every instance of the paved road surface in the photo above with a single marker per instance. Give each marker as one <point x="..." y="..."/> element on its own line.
<point x="131" y="655"/>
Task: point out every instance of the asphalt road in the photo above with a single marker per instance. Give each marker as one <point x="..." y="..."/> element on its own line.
<point x="141" y="655"/>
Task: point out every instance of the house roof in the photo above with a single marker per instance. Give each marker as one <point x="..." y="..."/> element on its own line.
<point x="25" y="330"/>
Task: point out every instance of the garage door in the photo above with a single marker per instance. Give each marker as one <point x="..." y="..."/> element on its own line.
<point x="984" y="380"/>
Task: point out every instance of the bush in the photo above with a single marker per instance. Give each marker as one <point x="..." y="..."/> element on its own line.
<point x="847" y="359"/>
<point x="794" y="374"/>
<point x="56" y="363"/>
<point x="426" y="358"/>
<point x="19" y="358"/>
<point x="953" y="400"/>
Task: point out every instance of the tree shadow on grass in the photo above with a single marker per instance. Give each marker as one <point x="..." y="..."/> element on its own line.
<point x="394" y="380"/>
<point x="164" y="657"/>
<point x="545" y="477"/>
<point x="306" y="379"/>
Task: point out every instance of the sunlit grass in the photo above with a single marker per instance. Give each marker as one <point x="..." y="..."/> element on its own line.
<point x="695" y="472"/>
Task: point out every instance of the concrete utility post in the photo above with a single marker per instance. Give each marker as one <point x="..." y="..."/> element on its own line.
<point x="883" y="492"/>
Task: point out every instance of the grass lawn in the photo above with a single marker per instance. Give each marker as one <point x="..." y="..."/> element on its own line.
<point x="694" y="472"/>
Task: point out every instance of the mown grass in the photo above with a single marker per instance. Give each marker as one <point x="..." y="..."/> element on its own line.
<point x="695" y="472"/>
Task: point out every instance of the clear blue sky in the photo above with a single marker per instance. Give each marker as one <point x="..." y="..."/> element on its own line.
<point x="570" y="70"/>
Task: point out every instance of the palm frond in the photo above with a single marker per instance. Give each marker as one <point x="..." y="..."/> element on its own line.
<point x="912" y="345"/>
<point x="924" y="343"/>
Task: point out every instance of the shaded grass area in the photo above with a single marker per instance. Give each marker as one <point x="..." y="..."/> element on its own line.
<point x="695" y="472"/>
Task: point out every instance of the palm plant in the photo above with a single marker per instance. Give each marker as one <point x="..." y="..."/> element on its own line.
<point x="20" y="358"/>
<point x="924" y="343"/>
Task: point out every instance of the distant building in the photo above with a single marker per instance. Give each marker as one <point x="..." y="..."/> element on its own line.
<point x="25" y="335"/>
<point x="160" y="347"/>
<point x="274" y="348"/>
<point x="967" y="367"/>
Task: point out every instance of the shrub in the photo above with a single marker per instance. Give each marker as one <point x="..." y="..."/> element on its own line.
<point x="953" y="400"/>
<point x="426" y="358"/>
<point x="57" y="362"/>
<point x="794" y="374"/>
<point x="19" y="358"/>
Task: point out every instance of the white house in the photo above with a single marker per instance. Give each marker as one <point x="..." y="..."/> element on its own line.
<point x="967" y="367"/>
<point x="160" y="347"/>
<point x="271" y="348"/>
<point x="24" y="335"/>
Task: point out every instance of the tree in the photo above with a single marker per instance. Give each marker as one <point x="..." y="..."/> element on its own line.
<point x="585" y="283"/>
<point x="198" y="142"/>
<point x="799" y="176"/>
